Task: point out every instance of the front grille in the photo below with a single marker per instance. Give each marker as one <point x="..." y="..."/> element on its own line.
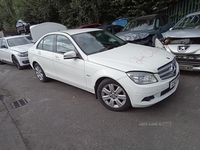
<point x="168" y="70"/>
<point x="25" y="61"/>
<point x="193" y="59"/>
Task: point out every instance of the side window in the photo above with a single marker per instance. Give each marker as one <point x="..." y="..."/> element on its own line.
<point x="117" y="29"/>
<point x="46" y="43"/>
<point x="63" y="44"/>
<point x="158" y="23"/>
<point x="39" y="46"/>
<point x="1" y="42"/>
<point x="4" y="43"/>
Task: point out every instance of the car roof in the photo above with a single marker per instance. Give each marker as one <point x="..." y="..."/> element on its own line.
<point x="14" y="36"/>
<point x="147" y="16"/>
<point x="77" y="31"/>
<point x="194" y="13"/>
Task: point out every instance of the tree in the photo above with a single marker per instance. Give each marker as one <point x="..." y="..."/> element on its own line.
<point x="73" y="13"/>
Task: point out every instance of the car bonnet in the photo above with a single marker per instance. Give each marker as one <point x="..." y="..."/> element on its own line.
<point x="132" y="57"/>
<point x="185" y="33"/>
<point x="21" y="48"/>
<point x="37" y="31"/>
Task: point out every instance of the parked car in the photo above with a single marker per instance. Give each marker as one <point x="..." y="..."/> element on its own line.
<point x="144" y="30"/>
<point x="92" y="25"/>
<point x="121" y="22"/>
<point x="22" y="27"/>
<point x="120" y="74"/>
<point x="183" y="40"/>
<point x="111" y="28"/>
<point x="14" y="50"/>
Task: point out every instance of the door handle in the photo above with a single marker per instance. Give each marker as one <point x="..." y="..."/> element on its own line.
<point x="39" y="53"/>
<point x="57" y="58"/>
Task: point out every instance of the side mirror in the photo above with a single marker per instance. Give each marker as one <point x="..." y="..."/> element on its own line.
<point x="70" y="55"/>
<point x="4" y="46"/>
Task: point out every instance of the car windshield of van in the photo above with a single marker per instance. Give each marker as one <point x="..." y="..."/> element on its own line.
<point x="97" y="41"/>
<point x="140" y="24"/>
<point x="190" y="22"/>
<point x="18" y="41"/>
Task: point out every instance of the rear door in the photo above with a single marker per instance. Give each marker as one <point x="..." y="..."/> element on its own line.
<point x="71" y="71"/>
<point x="44" y="54"/>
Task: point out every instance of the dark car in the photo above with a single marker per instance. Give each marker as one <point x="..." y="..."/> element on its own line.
<point x="144" y="30"/>
<point x="112" y="28"/>
<point x="22" y="27"/>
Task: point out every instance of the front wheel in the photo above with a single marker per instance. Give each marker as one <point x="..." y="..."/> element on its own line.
<point x="1" y="63"/>
<point x="113" y="96"/>
<point x="40" y="73"/>
<point x="16" y="63"/>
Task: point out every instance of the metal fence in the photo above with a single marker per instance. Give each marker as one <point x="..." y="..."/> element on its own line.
<point x="182" y="8"/>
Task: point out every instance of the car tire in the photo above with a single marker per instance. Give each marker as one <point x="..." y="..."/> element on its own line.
<point x="16" y="63"/>
<point x="113" y="96"/>
<point x="40" y="73"/>
<point x="1" y="63"/>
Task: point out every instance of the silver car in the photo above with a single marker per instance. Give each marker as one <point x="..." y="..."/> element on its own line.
<point x="183" y="40"/>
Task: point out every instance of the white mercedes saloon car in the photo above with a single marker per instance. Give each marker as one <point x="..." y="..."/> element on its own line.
<point x="120" y="74"/>
<point x="14" y="50"/>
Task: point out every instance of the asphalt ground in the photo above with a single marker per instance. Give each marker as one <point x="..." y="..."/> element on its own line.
<point x="57" y="116"/>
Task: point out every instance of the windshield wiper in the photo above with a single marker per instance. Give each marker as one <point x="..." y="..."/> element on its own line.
<point x="111" y="47"/>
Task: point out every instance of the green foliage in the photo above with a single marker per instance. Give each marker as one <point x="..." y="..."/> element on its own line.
<point x="73" y="13"/>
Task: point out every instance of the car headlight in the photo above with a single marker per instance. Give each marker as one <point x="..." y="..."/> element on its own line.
<point x="142" y="77"/>
<point x="23" y="54"/>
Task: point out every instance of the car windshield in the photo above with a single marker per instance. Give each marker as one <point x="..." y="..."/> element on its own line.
<point x="97" y="41"/>
<point x="190" y="22"/>
<point x="18" y="41"/>
<point x="140" y="24"/>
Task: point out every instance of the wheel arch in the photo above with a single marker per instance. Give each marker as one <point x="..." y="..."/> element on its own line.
<point x="12" y="55"/>
<point x="99" y="81"/>
<point x="33" y="64"/>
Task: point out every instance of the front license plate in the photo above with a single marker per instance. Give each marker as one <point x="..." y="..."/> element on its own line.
<point x="173" y="82"/>
<point x="189" y="68"/>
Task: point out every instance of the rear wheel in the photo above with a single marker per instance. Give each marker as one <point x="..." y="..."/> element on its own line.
<point x="40" y="73"/>
<point x="113" y="96"/>
<point x="16" y="63"/>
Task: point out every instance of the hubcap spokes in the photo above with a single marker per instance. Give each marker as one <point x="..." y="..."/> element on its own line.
<point x="39" y="73"/>
<point x="113" y="95"/>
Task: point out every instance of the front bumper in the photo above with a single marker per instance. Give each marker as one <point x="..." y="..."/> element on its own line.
<point x="189" y="61"/>
<point x="23" y="61"/>
<point x="147" y="95"/>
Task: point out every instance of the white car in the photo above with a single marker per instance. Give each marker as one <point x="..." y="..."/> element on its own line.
<point x="120" y="74"/>
<point x="14" y="50"/>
